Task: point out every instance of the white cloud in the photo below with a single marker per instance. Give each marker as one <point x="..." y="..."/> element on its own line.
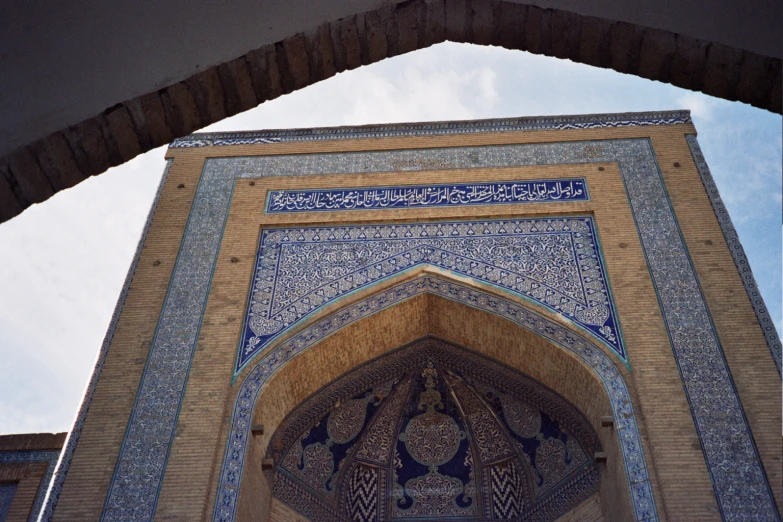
<point x="701" y="106"/>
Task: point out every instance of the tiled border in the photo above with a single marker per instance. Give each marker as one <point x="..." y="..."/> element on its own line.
<point x="48" y="456"/>
<point x="583" y="348"/>
<point x="737" y="252"/>
<point x="586" y="121"/>
<point x="729" y="449"/>
<point x="73" y="437"/>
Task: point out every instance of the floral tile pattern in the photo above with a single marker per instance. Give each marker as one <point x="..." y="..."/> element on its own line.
<point x="554" y="262"/>
<point x="433" y="430"/>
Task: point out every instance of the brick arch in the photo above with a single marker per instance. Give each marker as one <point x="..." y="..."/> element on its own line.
<point x="38" y="170"/>
<point x="543" y="348"/>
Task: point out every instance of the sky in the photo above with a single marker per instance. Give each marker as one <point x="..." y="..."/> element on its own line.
<point x="63" y="262"/>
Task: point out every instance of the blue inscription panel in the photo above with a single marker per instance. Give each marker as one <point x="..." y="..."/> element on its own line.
<point x="415" y="196"/>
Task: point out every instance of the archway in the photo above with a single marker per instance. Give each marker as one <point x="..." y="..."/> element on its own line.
<point x="685" y="46"/>
<point x="538" y="346"/>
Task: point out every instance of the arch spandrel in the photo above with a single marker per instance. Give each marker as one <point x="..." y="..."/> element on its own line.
<point x="555" y="262"/>
<point x="595" y="385"/>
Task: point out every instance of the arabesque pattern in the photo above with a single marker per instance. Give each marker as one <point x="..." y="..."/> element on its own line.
<point x="378" y="441"/>
<point x="554" y="262"/>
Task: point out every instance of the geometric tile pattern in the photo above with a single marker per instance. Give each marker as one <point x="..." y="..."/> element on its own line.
<point x="728" y="447"/>
<point x="423" y="196"/>
<point x="456" y="435"/>
<point x="7" y="490"/>
<point x="555" y="262"/>
<point x="585" y="349"/>
<point x="737" y="252"/>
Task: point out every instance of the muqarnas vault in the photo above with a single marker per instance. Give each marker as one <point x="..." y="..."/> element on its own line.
<point x="531" y="319"/>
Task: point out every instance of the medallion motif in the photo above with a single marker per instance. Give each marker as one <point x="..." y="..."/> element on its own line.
<point x="134" y="486"/>
<point x="434" y="496"/>
<point x="521" y="418"/>
<point x="346" y="421"/>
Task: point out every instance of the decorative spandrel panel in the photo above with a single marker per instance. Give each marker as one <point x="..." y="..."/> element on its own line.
<point x="429" y="432"/>
<point x="555" y="262"/>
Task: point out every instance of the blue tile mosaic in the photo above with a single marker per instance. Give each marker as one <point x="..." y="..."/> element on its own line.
<point x="423" y="196"/>
<point x="73" y="437"/>
<point x="642" y="181"/>
<point x="6" y="495"/>
<point x="585" y="349"/>
<point x="433" y="431"/>
<point x="554" y="262"/>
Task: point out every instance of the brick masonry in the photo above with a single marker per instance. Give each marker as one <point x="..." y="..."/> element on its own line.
<point x="669" y="438"/>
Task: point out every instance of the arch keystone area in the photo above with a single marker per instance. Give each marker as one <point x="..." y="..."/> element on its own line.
<point x="97" y="106"/>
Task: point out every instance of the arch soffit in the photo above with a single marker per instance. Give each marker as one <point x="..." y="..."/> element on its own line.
<point x="39" y="169"/>
<point x="551" y="328"/>
<point x="449" y="364"/>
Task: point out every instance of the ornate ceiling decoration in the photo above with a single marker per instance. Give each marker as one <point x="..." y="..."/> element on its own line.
<point x="433" y="431"/>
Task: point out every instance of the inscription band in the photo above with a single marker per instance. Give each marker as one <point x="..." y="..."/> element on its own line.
<point x="410" y="196"/>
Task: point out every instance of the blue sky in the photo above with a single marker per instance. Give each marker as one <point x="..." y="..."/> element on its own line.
<point x="62" y="263"/>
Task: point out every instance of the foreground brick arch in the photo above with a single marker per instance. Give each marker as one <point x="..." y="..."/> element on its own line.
<point x="35" y="172"/>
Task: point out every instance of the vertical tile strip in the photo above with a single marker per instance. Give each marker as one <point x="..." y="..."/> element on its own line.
<point x="73" y="437"/>
<point x="737" y="252"/>
<point x="741" y="486"/>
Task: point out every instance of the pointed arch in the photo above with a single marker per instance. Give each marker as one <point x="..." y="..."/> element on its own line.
<point x="510" y="332"/>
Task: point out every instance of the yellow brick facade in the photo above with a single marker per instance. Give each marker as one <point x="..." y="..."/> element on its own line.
<point x="679" y="476"/>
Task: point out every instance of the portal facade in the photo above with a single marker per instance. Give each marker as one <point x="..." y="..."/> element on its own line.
<point x="528" y="319"/>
